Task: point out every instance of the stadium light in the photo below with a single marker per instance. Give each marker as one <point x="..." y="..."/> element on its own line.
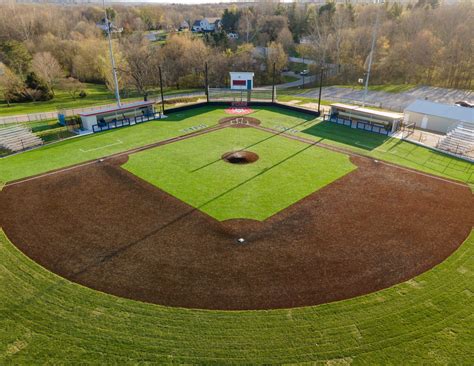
<point x="114" y="69"/>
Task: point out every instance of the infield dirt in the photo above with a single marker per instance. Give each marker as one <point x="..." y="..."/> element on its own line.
<point x="102" y="227"/>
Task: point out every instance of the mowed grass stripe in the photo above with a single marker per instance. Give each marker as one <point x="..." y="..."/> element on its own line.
<point x="70" y="323"/>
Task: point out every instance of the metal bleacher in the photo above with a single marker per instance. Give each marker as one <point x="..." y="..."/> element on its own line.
<point x="17" y="138"/>
<point x="460" y="140"/>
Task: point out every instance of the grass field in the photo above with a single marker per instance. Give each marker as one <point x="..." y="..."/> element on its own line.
<point x="389" y="88"/>
<point x="286" y="172"/>
<point x="46" y="319"/>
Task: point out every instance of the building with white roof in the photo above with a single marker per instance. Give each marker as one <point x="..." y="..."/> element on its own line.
<point x="383" y="122"/>
<point x="437" y="117"/>
<point x="103" y="116"/>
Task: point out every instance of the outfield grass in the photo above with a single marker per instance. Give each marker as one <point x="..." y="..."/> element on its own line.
<point x="47" y="319"/>
<point x="193" y="171"/>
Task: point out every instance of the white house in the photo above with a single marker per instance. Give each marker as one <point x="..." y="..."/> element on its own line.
<point x="241" y="80"/>
<point x="437" y="117"/>
<point x="206" y="25"/>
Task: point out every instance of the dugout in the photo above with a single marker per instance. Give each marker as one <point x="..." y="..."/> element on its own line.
<point x="105" y="118"/>
<point x="382" y="122"/>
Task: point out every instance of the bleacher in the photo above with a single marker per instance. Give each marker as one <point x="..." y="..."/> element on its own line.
<point x="17" y="138"/>
<point x="459" y="140"/>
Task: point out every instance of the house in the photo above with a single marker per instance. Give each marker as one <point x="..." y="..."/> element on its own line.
<point x="437" y="117"/>
<point x="206" y="25"/>
<point x="183" y="26"/>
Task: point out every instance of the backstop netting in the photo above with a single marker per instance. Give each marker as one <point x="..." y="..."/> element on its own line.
<point x="240" y="96"/>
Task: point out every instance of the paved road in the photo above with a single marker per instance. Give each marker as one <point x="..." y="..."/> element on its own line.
<point x="299" y="82"/>
<point x="393" y="101"/>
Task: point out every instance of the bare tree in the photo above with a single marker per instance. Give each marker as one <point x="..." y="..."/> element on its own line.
<point x="72" y="86"/>
<point x="48" y="69"/>
<point x="142" y="62"/>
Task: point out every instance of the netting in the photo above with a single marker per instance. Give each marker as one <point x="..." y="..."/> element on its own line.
<point x="239" y="97"/>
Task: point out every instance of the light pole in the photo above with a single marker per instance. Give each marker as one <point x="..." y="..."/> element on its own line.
<point x="371" y="55"/>
<point x="114" y="69"/>
<point x="320" y="89"/>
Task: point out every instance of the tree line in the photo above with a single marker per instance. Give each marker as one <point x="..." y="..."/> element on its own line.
<point x="45" y="47"/>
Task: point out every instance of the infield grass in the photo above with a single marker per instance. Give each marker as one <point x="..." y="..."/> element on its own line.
<point x="193" y="171"/>
<point x="46" y="319"/>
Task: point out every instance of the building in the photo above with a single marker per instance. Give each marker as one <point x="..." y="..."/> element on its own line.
<point x="184" y="26"/>
<point x="365" y="119"/>
<point x="436" y="117"/>
<point x="241" y="80"/>
<point x="105" y="118"/>
<point x="206" y="25"/>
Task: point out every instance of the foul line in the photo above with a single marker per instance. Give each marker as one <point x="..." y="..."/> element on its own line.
<point x="103" y="147"/>
<point x="351" y="153"/>
<point x="131" y="151"/>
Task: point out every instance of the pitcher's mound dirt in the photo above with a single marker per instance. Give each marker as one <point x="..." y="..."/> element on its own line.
<point x="240" y="157"/>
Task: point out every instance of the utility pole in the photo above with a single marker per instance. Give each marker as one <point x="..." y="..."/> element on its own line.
<point x="114" y="69"/>
<point x="371" y="55"/>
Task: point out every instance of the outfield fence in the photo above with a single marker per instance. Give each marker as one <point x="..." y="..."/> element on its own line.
<point x="239" y="96"/>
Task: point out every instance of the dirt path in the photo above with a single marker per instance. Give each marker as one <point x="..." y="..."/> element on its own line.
<point x="102" y="227"/>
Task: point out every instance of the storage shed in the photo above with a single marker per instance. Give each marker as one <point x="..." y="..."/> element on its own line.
<point x="436" y="117"/>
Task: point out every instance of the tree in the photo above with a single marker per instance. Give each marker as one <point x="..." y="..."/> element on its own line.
<point x="276" y="56"/>
<point x="72" y="86"/>
<point x="16" y="56"/>
<point x="142" y="62"/>
<point x="183" y="55"/>
<point x="105" y="67"/>
<point x="10" y="84"/>
<point x="230" y="19"/>
<point x="269" y="28"/>
<point x="48" y="69"/>
<point x="286" y="39"/>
